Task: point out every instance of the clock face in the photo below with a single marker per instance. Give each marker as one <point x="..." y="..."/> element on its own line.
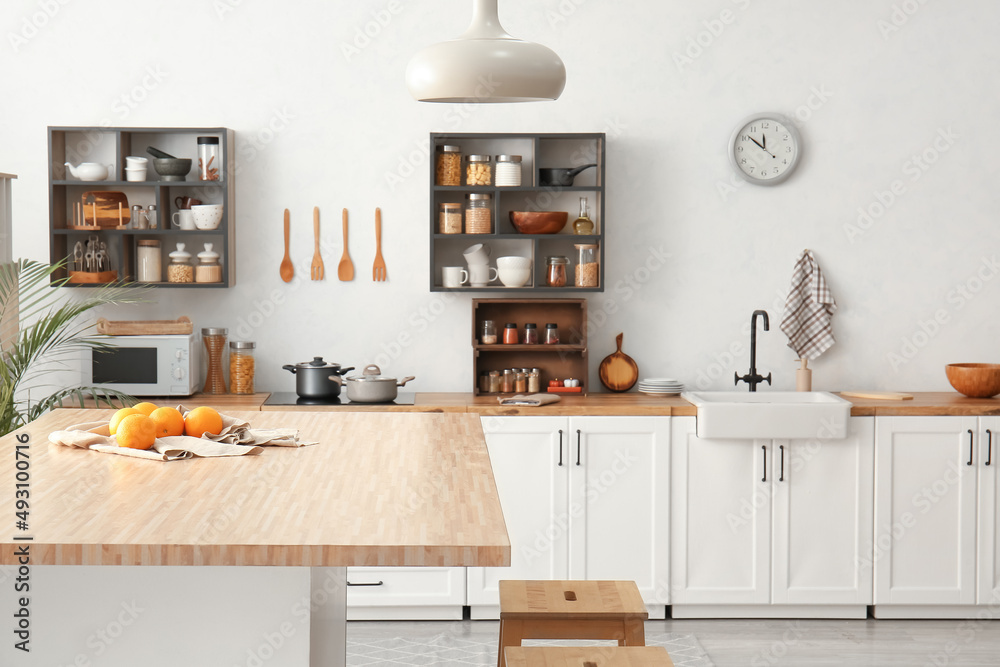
<point x="765" y="149"/>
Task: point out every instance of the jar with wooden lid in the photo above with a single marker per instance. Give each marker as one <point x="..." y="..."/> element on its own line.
<point x="479" y="170"/>
<point x="450" y="219"/>
<point x="241" y="366"/>
<point x="448" y="166"/>
<point x="587" y="268"/>
<point x="148" y="261"/>
<point x="208" y="269"/>
<point x="180" y="269"/>
<point x="215" y="347"/>
<point x="479" y="214"/>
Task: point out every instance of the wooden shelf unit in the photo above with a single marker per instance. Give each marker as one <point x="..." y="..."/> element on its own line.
<point x="110" y="146"/>
<point x="538" y="151"/>
<point x="565" y="360"/>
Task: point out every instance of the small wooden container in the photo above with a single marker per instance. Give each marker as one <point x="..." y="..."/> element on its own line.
<point x="92" y="277"/>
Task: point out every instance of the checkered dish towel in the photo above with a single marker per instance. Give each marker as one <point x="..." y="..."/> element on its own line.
<point x="808" y="310"/>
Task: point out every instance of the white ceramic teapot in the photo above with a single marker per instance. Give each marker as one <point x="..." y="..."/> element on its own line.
<point x="90" y="171"/>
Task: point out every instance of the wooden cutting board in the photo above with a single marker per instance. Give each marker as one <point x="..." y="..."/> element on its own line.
<point x="882" y="395"/>
<point x="105" y="206"/>
<point x="618" y="371"/>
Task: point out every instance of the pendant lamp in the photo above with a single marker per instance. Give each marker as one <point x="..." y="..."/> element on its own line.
<point x="486" y="65"/>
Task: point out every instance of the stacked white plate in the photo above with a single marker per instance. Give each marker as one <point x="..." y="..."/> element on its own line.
<point x="661" y="386"/>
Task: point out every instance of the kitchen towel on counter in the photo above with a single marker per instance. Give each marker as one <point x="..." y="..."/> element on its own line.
<point x="809" y="309"/>
<point x="529" y="399"/>
<point x="238" y="432"/>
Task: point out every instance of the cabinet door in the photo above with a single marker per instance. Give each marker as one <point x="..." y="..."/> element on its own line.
<point x="720" y="518"/>
<point x="824" y="497"/>
<point x="525" y="454"/>
<point x="619" y="505"/>
<point x="989" y="510"/>
<point x="925" y="510"/>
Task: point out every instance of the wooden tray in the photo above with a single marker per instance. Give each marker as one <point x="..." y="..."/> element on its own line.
<point x="565" y="390"/>
<point x="92" y="277"/>
<point x="182" y="325"/>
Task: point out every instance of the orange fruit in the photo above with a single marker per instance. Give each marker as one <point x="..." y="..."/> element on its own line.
<point x="136" y="431"/>
<point x="168" y="421"/>
<point x="145" y="407"/>
<point x="202" y="420"/>
<point x="119" y="416"/>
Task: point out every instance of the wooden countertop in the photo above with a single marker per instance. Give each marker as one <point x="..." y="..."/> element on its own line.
<point x="387" y="489"/>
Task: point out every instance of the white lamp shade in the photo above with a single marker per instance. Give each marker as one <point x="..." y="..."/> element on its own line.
<point x="486" y="65"/>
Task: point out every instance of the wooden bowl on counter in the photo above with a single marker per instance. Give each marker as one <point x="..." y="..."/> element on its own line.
<point x="974" y="380"/>
<point x="539" y="222"/>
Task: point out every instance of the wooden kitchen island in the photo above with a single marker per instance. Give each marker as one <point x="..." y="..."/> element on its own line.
<point x="244" y="557"/>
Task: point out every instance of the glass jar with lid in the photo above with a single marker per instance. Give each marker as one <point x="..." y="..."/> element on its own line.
<point x="551" y="333"/>
<point x="479" y="170"/>
<point x="448" y="165"/>
<point x="180" y="269"/>
<point x="241" y="366"/>
<point x="479" y="214"/>
<point x="587" y="268"/>
<point x="555" y="275"/>
<point x="208" y="270"/>
<point x="450" y="219"/>
<point x="488" y="333"/>
<point x="508" y="170"/>
<point x="209" y="161"/>
<point x="215" y="346"/>
<point x="148" y="261"/>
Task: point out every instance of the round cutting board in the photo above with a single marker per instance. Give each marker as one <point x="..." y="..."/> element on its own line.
<point x="618" y="371"/>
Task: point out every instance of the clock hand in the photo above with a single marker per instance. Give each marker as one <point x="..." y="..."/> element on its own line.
<point x="762" y="146"/>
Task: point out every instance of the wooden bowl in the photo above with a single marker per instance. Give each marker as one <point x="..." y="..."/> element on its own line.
<point x="974" y="380"/>
<point x="539" y="222"/>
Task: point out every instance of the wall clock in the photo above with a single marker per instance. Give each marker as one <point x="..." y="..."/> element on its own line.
<point x="765" y="148"/>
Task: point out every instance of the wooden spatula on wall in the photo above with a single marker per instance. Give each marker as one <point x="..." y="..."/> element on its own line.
<point x="378" y="270"/>
<point x="345" y="270"/>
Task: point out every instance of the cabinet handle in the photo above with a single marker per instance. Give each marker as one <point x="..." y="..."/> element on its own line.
<point x="971" y="436"/>
<point x="763" y="448"/>
<point x="578" y="446"/>
<point x="782" y="477"/>
<point x="989" y="447"/>
<point x="365" y="583"/>
<point x="560" y="446"/>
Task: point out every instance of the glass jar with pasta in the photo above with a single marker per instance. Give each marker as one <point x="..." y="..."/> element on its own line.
<point x="241" y="366"/>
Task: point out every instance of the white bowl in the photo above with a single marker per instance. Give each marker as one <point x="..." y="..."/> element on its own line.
<point x="513" y="262"/>
<point x="207" y="216"/>
<point x="514" y="277"/>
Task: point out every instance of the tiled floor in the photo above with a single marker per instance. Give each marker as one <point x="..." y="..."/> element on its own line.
<point x="702" y="643"/>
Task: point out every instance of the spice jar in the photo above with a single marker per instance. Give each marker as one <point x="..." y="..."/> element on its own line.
<point x="241" y="366"/>
<point x="587" y="268"/>
<point x="148" y="262"/>
<point x="534" y="381"/>
<point x="209" y="162"/>
<point x="510" y="334"/>
<point x="448" y="166"/>
<point x="478" y="171"/>
<point x="556" y="271"/>
<point x="530" y="333"/>
<point x="208" y="269"/>
<point x="484" y="383"/>
<point x="488" y="333"/>
<point x="520" y="382"/>
<point x="507" y="381"/>
<point x="180" y="269"/>
<point x="479" y="214"/>
<point x="215" y="346"/>
<point x="551" y="333"/>
<point x="139" y="220"/>
<point x="508" y="170"/>
<point x="450" y="219"/>
<point x="494" y="382"/>
<point x="152" y="216"/>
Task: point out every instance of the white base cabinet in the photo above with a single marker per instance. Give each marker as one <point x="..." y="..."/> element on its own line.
<point x="762" y="522"/>
<point x="937" y="544"/>
<point x="584" y="498"/>
<point x="405" y="593"/>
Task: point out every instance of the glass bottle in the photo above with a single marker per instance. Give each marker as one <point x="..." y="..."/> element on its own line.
<point x="530" y="333"/>
<point x="488" y="333"/>
<point x="583" y="225"/>
<point x="551" y="333"/>
<point x="494" y="382"/>
<point x="534" y="381"/>
<point x="241" y="366"/>
<point x="520" y="381"/>
<point x="152" y="217"/>
<point x="209" y="162"/>
<point x="507" y="381"/>
<point x="215" y="346"/>
<point x="138" y="219"/>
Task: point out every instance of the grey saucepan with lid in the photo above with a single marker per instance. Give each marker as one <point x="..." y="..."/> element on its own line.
<point x="373" y="387"/>
<point x="317" y="378"/>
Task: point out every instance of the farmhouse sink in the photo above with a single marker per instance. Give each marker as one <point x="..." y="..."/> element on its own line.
<point x="816" y="415"/>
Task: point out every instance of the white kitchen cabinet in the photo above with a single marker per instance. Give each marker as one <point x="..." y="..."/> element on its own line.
<point x="584" y="498"/>
<point x="935" y="516"/>
<point x="760" y="526"/>
<point x="405" y="593"/>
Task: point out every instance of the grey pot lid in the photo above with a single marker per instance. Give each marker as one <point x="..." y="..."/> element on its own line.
<point x="317" y="362"/>
<point x="372" y="373"/>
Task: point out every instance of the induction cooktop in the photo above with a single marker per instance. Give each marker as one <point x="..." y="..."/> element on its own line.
<point x="291" y="398"/>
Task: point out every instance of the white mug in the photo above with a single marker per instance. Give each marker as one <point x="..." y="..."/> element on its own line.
<point x="453" y="276"/>
<point x="183" y="219"/>
<point x="477" y="254"/>
<point x="479" y="274"/>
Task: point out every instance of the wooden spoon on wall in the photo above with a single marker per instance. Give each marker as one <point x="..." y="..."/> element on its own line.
<point x="618" y="371"/>
<point x="345" y="270"/>
<point x="287" y="269"/>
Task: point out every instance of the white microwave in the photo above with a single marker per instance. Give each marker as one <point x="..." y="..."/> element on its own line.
<point x="162" y="365"/>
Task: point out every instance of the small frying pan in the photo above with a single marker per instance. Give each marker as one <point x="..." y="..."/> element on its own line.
<point x="560" y="177"/>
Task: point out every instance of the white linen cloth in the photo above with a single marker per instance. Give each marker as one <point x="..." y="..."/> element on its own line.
<point x="809" y="309"/>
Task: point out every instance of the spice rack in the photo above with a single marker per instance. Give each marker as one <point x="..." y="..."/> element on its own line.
<point x="566" y="359"/>
<point x="110" y="146"/>
<point x="537" y="151"/>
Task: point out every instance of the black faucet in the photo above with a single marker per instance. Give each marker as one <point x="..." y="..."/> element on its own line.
<point x="753" y="378"/>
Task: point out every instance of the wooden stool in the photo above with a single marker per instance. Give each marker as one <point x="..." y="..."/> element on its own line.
<point x="587" y="656"/>
<point x="570" y="610"/>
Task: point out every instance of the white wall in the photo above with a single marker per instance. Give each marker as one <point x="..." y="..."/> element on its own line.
<point x="346" y="123"/>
